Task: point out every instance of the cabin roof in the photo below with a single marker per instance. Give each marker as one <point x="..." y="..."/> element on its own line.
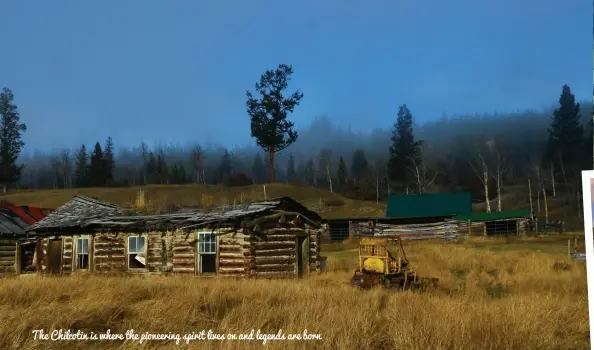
<point x="76" y="212"/>
<point x="14" y="220"/>
<point x="84" y="212"/>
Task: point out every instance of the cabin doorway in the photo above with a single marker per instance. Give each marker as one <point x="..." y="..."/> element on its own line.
<point x="302" y="256"/>
<point x="54" y="256"/>
<point x="27" y="258"/>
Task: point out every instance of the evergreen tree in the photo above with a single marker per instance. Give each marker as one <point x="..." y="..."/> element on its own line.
<point x="359" y="165"/>
<point x="291" y="174"/>
<point x="565" y="143"/>
<point x="174" y="175"/>
<point x="97" y="167"/>
<point x="341" y="173"/>
<point x="224" y="169"/>
<point x="151" y="168"/>
<point x="301" y="172"/>
<point x="309" y="172"/>
<point x="588" y="162"/>
<point x="258" y="169"/>
<point x="404" y="149"/>
<point x="10" y="139"/>
<point x="269" y="124"/>
<point x="183" y="177"/>
<point x="109" y="161"/>
<point x="161" y="171"/>
<point x="81" y="168"/>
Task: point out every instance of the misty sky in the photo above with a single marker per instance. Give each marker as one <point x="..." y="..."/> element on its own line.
<point x="177" y="71"/>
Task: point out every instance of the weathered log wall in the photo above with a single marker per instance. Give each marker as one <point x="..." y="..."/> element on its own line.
<point x="269" y="248"/>
<point x="183" y="252"/>
<point x="109" y="253"/>
<point x="8" y="254"/>
<point x="156" y="260"/>
<point x="67" y="255"/>
<point x="274" y="252"/>
<point x="314" y="248"/>
<point x="234" y="251"/>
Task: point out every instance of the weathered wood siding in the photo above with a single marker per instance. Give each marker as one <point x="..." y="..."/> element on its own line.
<point x="109" y="253"/>
<point x="156" y="253"/>
<point x="274" y="252"/>
<point x="183" y="252"/>
<point x="234" y="253"/>
<point x="314" y="248"/>
<point x="8" y="253"/>
<point x="67" y="255"/>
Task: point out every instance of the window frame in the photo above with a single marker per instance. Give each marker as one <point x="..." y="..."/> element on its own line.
<point x="136" y="251"/>
<point x="213" y="249"/>
<point x="77" y="253"/>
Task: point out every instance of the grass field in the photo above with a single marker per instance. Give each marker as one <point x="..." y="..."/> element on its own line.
<point x="515" y="293"/>
<point x="513" y="298"/>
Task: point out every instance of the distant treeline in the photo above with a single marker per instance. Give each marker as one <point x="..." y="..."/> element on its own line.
<point x="333" y="157"/>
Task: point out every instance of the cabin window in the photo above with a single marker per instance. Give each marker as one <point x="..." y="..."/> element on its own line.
<point x="207" y="252"/>
<point x="136" y="255"/>
<point x="82" y="253"/>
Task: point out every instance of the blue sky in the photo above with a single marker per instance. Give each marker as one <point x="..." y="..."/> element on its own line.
<point x="177" y="71"/>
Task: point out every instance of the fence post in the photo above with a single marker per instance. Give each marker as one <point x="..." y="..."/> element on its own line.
<point x="569" y="249"/>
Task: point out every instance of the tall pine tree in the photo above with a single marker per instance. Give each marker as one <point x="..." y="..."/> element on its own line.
<point x="109" y="161"/>
<point x="341" y="173"/>
<point x="10" y="139"/>
<point x="161" y="169"/>
<point x="258" y="169"/>
<point x="404" y="149"/>
<point x="151" y="168"/>
<point x="81" y="168"/>
<point x="291" y="173"/>
<point x="359" y="165"/>
<point x="565" y="143"/>
<point x="97" y="167"/>
<point x="224" y="169"/>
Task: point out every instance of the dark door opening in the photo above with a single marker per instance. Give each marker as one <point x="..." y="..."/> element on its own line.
<point x="302" y="256"/>
<point x="54" y="256"/>
<point x="27" y="258"/>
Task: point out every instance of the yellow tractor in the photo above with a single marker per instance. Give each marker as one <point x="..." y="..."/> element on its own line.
<point x="377" y="266"/>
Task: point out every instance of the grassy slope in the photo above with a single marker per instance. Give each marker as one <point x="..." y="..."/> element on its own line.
<point x="162" y="196"/>
<point x="510" y="299"/>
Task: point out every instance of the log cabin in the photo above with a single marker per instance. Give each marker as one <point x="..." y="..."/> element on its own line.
<point x="277" y="238"/>
<point x="14" y="221"/>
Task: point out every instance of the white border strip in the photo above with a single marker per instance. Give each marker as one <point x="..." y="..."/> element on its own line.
<point x="589" y="238"/>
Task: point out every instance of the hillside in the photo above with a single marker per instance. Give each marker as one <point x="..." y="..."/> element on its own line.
<point x="164" y="197"/>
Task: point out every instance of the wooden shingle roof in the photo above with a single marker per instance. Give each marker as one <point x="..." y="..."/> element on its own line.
<point x="78" y="211"/>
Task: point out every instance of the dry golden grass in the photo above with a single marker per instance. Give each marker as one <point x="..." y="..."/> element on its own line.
<point x="508" y="299"/>
<point x="163" y="197"/>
